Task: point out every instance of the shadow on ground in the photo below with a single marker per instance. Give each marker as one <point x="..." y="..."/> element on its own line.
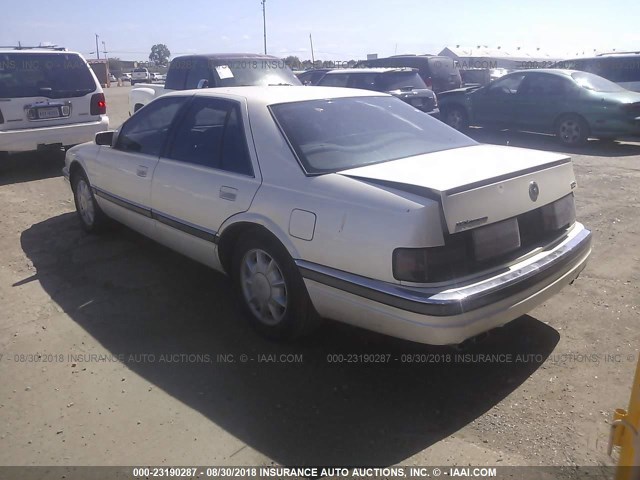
<point x="549" y="143"/>
<point x="30" y="166"/>
<point x="135" y="297"/>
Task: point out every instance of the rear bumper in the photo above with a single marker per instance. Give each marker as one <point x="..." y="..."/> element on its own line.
<point x="452" y="314"/>
<point x="28" y="139"/>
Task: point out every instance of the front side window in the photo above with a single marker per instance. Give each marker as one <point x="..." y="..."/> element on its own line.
<point x="212" y="135"/>
<point x="337" y="134"/>
<point x="506" y="86"/>
<point x="145" y="132"/>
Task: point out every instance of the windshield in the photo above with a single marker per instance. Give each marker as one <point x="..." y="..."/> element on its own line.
<point x="338" y="134"/>
<point x="595" y="83"/>
<point x="49" y="75"/>
<point x="254" y="72"/>
<point x="399" y="80"/>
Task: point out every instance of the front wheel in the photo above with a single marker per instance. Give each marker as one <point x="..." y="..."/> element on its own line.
<point x="572" y="130"/>
<point x="91" y="216"/>
<point x="271" y="289"/>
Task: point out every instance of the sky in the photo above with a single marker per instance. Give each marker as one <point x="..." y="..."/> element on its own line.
<point x="341" y="29"/>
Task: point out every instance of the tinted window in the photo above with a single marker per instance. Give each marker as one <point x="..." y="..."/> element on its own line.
<point x="334" y="80"/>
<point x="337" y="134"/>
<point x="259" y="71"/>
<point x="52" y="75"/>
<point x="595" y="83"/>
<point x="507" y="85"/>
<point x="199" y="70"/>
<point x="145" y="132"/>
<point x="211" y="134"/>
<point x="399" y="80"/>
<point x="541" y="84"/>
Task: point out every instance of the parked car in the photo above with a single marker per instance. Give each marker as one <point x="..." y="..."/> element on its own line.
<point x="574" y="105"/>
<point x="126" y="77"/>
<point x="215" y="70"/>
<point x="438" y="73"/>
<point x="312" y="77"/>
<point x="339" y="203"/>
<point x="49" y="98"/>
<point x="620" y="68"/>
<point x="404" y="83"/>
<point x="112" y="78"/>
<point x="140" y="75"/>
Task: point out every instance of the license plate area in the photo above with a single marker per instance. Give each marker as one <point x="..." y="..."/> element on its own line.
<point x="46" y="112"/>
<point x="496" y="239"/>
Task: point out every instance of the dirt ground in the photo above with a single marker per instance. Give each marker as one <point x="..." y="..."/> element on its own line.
<point x="116" y="351"/>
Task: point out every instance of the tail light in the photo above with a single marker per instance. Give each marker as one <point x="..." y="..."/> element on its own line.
<point x="421" y="265"/>
<point x="428" y="82"/>
<point x="98" y="104"/>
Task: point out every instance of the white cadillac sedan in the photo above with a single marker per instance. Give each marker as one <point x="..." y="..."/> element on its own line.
<point x="339" y="203"/>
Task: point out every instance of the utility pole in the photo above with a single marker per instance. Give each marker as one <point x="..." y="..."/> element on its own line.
<point x="264" y="25"/>
<point x="97" y="49"/>
<point x="313" y="59"/>
<point x="104" y="50"/>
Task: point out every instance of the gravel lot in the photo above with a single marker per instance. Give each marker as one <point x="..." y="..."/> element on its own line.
<point x="113" y="351"/>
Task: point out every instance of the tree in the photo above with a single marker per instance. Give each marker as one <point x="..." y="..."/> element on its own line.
<point x="160" y="54"/>
<point x="293" y="62"/>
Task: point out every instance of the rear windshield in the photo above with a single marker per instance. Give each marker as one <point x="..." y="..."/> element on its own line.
<point x="58" y="75"/>
<point x="140" y="70"/>
<point x="337" y="134"/>
<point x="595" y="83"/>
<point x="251" y="72"/>
<point x="399" y="81"/>
<point x="441" y="64"/>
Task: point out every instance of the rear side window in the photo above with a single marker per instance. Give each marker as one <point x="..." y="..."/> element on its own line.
<point x="50" y="75"/>
<point x="212" y="135"/>
<point x="199" y="71"/>
<point x="145" y="132"/>
<point x="399" y="80"/>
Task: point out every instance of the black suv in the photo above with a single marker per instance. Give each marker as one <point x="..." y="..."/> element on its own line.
<point x="438" y="73"/>
<point x="404" y="83"/>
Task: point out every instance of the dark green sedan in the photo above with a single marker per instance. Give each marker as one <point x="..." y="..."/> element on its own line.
<point x="574" y="105"/>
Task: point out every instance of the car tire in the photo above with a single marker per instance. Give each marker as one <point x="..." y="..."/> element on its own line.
<point x="92" y="218"/>
<point x="456" y="117"/>
<point x="270" y="288"/>
<point x="572" y="130"/>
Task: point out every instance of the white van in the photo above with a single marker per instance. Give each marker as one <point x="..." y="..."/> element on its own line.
<point x="49" y="98"/>
<point x="620" y="68"/>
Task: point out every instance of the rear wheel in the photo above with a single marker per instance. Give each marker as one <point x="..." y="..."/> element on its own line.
<point x="271" y="289"/>
<point x="457" y="118"/>
<point x="572" y="130"/>
<point x="91" y="216"/>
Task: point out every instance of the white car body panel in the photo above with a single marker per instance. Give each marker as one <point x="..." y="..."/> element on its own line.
<point x="342" y="228"/>
<point x="143" y="93"/>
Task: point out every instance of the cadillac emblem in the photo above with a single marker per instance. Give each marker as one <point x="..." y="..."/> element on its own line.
<point x="534" y="191"/>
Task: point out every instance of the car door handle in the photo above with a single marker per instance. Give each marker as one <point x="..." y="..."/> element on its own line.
<point x="228" y="193"/>
<point x="141" y="171"/>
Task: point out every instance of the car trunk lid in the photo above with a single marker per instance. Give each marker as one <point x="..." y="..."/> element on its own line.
<point x="478" y="185"/>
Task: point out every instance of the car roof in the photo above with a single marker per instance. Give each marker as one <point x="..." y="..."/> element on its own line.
<point x="230" y="56"/>
<point x="372" y="70"/>
<point x="272" y="95"/>
<point x="37" y="51"/>
<point x="554" y="71"/>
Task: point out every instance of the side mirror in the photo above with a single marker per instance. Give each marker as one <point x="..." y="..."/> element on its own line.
<point x="203" y="83"/>
<point x="105" y="138"/>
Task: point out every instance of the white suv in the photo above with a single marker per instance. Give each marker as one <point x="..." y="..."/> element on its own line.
<point x="49" y="98"/>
